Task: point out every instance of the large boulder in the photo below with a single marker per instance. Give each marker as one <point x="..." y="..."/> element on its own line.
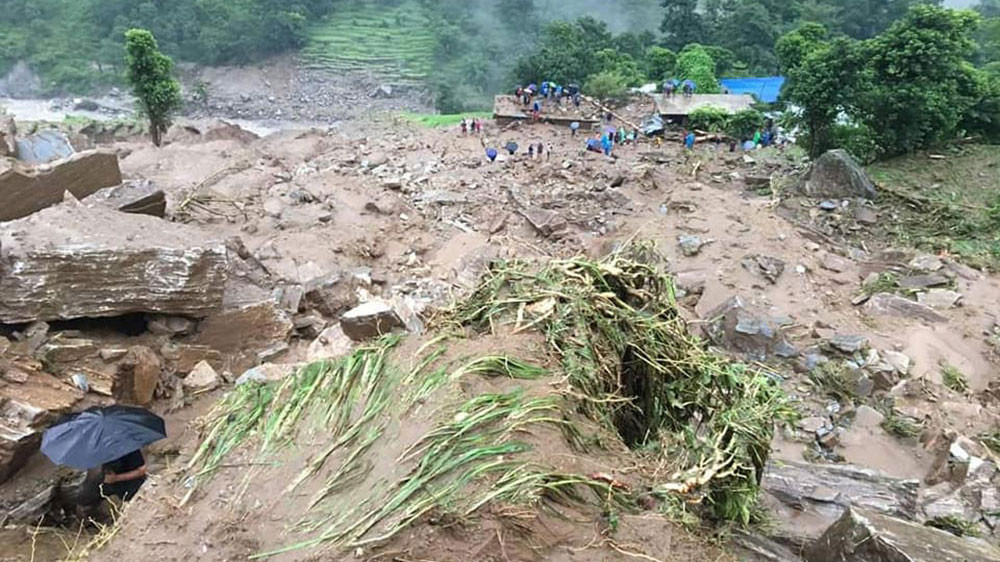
<point x="71" y="261"/>
<point x="838" y="175"/>
<point x="371" y="319"/>
<point x="862" y="535"/>
<point x="25" y="190"/>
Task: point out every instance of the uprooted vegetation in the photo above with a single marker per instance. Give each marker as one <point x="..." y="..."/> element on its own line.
<point x="588" y="359"/>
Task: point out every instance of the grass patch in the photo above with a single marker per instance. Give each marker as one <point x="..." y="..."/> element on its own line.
<point x="901" y="426"/>
<point x="950" y="205"/>
<point x="836" y="380"/>
<point x="955" y="525"/>
<point x="885" y="282"/>
<point x="444" y="120"/>
<point x="954" y="379"/>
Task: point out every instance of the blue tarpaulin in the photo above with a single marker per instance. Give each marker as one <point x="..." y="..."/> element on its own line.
<point x="764" y="89"/>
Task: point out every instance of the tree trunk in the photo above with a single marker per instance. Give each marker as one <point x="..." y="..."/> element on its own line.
<point x="156" y="131"/>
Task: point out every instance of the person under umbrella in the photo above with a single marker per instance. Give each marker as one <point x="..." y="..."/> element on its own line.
<point x="109" y="438"/>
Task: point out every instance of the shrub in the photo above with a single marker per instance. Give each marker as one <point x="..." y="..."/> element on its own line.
<point x="608" y="85"/>
<point x="711" y="119"/>
<point x="744" y="124"/>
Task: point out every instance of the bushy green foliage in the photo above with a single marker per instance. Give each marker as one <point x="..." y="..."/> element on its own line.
<point x="858" y="140"/>
<point x="709" y="118"/>
<point x="659" y="63"/>
<point x="608" y="85"/>
<point x="695" y="64"/>
<point x="743" y="124"/>
<point x="150" y="73"/>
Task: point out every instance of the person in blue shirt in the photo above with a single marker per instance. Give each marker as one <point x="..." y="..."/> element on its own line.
<point x="491" y="153"/>
<point x="606" y="144"/>
<point x="689" y="140"/>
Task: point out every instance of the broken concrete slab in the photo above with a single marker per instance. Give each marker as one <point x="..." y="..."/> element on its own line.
<point x="810" y="497"/>
<point x="887" y="304"/>
<point x="369" y="320"/>
<point x="71" y="261"/>
<point x="26" y="190"/>
<point x="837" y="174"/>
<point x="863" y="535"/>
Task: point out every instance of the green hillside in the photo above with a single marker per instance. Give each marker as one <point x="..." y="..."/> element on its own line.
<point x="394" y="43"/>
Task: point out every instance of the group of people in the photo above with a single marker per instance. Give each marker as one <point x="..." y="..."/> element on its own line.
<point x="538" y="151"/>
<point x="471" y="125"/>
<point x="762" y="138"/>
<point x="686" y="87"/>
<point x="534" y="95"/>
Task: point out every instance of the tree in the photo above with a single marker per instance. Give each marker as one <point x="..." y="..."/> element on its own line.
<point x="682" y="23"/>
<point x="924" y="82"/>
<point x="606" y="85"/>
<point x="659" y="63"/>
<point x="792" y="48"/>
<point x="863" y="19"/>
<point x="149" y="72"/>
<point x="695" y="64"/>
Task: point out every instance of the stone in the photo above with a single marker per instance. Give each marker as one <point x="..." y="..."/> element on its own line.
<point x="848" y="343"/>
<point x="838" y="175"/>
<point x="369" y="320"/>
<point x="26" y="190"/>
<point x="69" y="261"/>
<point x="835" y="263"/>
<point x="940" y="299"/>
<point x="864" y="535"/>
<point x="182" y="357"/>
<point x="923" y="281"/>
<point x="734" y="326"/>
<point x="268" y="372"/>
<point x="690" y="245"/>
<point x="67" y="350"/>
<point x="807" y="498"/>
<point x="867" y="417"/>
<point x="690" y="282"/>
<point x="202" y="378"/>
<point x="170" y="325"/>
<point x="545" y="221"/>
<point x="138" y="375"/>
<point x="926" y="263"/>
<point x="765" y="266"/>
<point x="8" y="136"/>
<point x="332" y="343"/>
<point x="242" y="333"/>
<point x="139" y="197"/>
<point x="382" y="206"/>
<point x="828" y="205"/>
<point x="109" y="354"/>
<point x="886" y="304"/>
<point x="900" y="362"/>
<point x="866" y="215"/>
<point x="812" y="424"/>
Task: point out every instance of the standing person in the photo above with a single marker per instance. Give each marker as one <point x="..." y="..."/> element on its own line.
<point x="511" y="147"/>
<point x="756" y="138"/>
<point x="536" y="111"/>
<point x="548" y="152"/>
<point x="606" y="144"/>
<point x="689" y="140"/>
<point x="669" y="88"/>
<point x="576" y="100"/>
<point x="465" y="126"/>
<point x="531" y="152"/>
<point x="573" y="127"/>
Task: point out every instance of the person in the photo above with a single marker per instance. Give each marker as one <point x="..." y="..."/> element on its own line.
<point x="594" y="145"/>
<point x="606" y="144"/>
<point x="573" y="127"/>
<point x="531" y="152"/>
<point x="120" y="478"/>
<point x="765" y="139"/>
<point x="559" y="93"/>
<point x="491" y="153"/>
<point x="688" y="88"/>
<point x="689" y="140"/>
<point x="465" y="126"/>
<point x="541" y="149"/>
<point x="756" y="138"/>
<point x="576" y="100"/>
<point x="548" y="151"/>
<point x="479" y="126"/>
<point x="511" y="147"/>
<point x="536" y="110"/>
<point x="669" y="88"/>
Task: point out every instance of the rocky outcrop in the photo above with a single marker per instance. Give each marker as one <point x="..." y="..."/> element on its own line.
<point x="24" y="191"/>
<point x="72" y="261"/>
<point x="808" y="498"/>
<point x="866" y="536"/>
<point x="837" y="174"/>
<point x="30" y="399"/>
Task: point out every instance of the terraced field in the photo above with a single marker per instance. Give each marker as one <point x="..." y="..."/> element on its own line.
<point x="394" y="43"/>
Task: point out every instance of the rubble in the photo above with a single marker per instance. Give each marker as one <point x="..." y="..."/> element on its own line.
<point x="837" y="174"/>
<point x="71" y="262"/>
<point x="864" y="535"/>
<point x="940" y="299"/>
<point x="764" y="266"/>
<point x="137" y="197"/>
<point x="267" y="372"/>
<point x="246" y="332"/>
<point x="926" y="263"/>
<point x="24" y="191"/>
<point x="370" y="320"/>
<point x="548" y="223"/>
<point x="690" y="245"/>
<point x="887" y="304"/>
<point x="138" y="375"/>
<point x="331" y="343"/>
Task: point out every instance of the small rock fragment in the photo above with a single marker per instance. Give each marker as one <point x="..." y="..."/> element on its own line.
<point x="202" y="379"/>
<point x="690" y="245"/>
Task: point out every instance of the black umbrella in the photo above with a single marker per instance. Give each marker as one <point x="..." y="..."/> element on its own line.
<point x="99" y="435"/>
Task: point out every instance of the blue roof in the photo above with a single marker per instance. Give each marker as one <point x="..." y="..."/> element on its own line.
<point x="765" y="89"/>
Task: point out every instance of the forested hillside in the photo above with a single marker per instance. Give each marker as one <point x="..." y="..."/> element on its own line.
<point x="465" y="50"/>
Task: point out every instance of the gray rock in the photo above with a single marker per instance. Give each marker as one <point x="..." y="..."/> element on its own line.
<point x="900" y="362"/>
<point x="24" y="191"/>
<point x="808" y="498"/>
<point x="732" y="325"/>
<point x="940" y="299"/>
<point x="866" y="215"/>
<point x="547" y="222"/>
<point x="835" y="263"/>
<point x="330" y="344"/>
<point x="170" y="325"/>
<point x="70" y="262"/>
<point x="690" y="245"/>
<point x="886" y="304"/>
<point x="926" y="262"/>
<point x="202" y="379"/>
<point x="765" y="266"/>
<point x="923" y="281"/>
<point x="863" y="535"/>
<point x="369" y="320"/>
<point x="813" y="424"/>
<point x="848" y="343"/>
<point x="837" y="174"/>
